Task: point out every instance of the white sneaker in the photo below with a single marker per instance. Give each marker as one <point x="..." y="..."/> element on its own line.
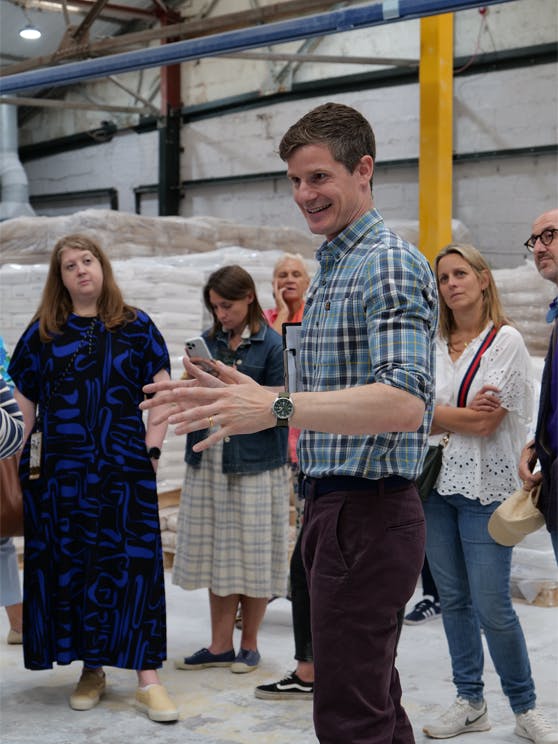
<point x="460" y="718"/>
<point x="533" y="726"/>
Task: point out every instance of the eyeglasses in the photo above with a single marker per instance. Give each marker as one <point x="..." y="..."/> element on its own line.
<point x="546" y="238"/>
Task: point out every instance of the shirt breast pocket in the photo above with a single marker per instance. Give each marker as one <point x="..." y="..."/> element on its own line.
<point x="344" y="330"/>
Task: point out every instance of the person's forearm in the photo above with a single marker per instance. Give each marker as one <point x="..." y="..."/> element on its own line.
<point x="246" y="408"/>
<point x="282" y="317"/>
<point x="369" y="409"/>
<point x="156" y="430"/>
<point x="467" y="420"/>
<point x="27" y="407"/>
<point x="527" y="462"/>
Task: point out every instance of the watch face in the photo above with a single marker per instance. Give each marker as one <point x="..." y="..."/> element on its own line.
<point x="283" y="408"/>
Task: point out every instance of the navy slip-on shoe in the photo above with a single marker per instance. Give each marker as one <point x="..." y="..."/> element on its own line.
<point x="204" y="659"/>
<point x="246" y="661"/>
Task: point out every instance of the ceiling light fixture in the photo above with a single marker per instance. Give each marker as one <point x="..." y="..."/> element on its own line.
<point x="29" y="32"/>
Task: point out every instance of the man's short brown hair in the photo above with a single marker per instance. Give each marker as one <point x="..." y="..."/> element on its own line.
<point x="345" y="131"/>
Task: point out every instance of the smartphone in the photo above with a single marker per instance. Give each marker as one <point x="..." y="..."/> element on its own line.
<point x="196" y="347"/>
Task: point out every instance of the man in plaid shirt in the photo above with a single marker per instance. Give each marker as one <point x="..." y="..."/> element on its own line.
<point x="367" y="363"/>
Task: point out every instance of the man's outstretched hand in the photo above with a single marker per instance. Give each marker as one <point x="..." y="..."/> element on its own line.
<point x="223" y="400"/>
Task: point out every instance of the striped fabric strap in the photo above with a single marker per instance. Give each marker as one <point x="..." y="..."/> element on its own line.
<point x="473" y="368"/>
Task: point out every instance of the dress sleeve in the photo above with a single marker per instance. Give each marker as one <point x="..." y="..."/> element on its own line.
<point x="507" y="366"/>
<point x="156" y="356"/>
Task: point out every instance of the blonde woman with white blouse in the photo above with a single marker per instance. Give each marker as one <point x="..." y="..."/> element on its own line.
<point x="487" y="429"/>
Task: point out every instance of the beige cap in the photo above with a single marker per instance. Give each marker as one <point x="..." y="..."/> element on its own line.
<point x="516" y="517"/>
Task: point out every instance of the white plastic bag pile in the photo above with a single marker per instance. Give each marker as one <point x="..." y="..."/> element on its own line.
<point x="168" y="288"/>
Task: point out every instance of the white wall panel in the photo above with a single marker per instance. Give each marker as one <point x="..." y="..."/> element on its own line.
<point x="496" y="199"/>
<point x="127" y="161"/>
<point x="506" y="109"/>
<point x="247" y="142"/>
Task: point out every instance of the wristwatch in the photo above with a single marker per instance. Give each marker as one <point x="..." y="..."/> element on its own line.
<point x="283" y="408"/>
<point x="154" y="453"/>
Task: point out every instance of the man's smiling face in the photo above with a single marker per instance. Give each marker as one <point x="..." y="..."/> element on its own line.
<point x="327" y="194"/>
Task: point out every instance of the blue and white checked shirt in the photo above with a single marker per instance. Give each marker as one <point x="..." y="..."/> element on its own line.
<point x="370" y="316"/>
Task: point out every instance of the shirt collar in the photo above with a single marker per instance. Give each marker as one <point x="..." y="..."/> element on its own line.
<point x="350" y="236"/>
<point x="246" y="335"/>
<point x="552" y="313"/>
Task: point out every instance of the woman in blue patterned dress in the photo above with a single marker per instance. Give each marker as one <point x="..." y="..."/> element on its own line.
<point x="93" y="567"/>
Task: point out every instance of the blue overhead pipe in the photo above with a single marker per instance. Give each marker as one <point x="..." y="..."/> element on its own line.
<point x="334" y="22"/>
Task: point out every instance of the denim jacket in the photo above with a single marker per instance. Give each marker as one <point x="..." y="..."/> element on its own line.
<point x="260" y="357"/>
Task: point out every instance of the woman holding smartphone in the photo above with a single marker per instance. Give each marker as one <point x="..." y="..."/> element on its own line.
<point x="232" y="531"/>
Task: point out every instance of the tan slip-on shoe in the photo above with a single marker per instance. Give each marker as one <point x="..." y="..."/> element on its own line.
<point x="155" y="701"/>
<point x="14" y="637"/>
<point x="89" y="689"/>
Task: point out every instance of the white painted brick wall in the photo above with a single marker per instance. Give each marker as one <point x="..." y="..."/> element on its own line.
<point x="496" y="199"/>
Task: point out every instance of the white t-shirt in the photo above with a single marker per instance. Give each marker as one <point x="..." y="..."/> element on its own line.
<point x="486" y="467"/>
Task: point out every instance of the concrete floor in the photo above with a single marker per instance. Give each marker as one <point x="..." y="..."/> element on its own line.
<point x="217" y="707"/>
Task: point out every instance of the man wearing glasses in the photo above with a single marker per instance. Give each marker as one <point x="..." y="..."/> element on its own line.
<point x="543" y="244"/>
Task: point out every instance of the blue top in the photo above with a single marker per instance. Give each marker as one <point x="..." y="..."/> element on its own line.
<point x="261" y="357"/>
<point x="4" y="364"/>
<point x="370" y="316"/>
<point x="546" y="433"/>
<point x="11" y="422"/>
<point x="552" y="415"/>
<point x="11" y="418"/>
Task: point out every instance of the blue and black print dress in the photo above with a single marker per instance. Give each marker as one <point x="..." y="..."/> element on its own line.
<point x="93" y="564"/>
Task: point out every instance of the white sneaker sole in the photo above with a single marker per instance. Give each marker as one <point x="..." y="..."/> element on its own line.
<point x="263" y="695"/>
<point x="471" y="729"/>
<point x="207" y="665"/>
<point x="240" y="668"/>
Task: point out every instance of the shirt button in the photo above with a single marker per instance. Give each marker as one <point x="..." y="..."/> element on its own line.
<point x="227" y="439"/>
<point x="237" y="364"/>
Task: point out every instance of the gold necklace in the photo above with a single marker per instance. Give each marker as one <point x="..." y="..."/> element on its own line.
<point x="454" y="346"/>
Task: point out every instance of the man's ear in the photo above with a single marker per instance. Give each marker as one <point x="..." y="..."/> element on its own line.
<point x="365" y="167"/>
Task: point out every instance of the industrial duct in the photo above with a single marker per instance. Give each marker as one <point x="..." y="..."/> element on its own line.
<point x="14" y="188"/>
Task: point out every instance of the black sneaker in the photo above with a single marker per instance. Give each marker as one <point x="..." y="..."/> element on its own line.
<point x="424" y="611"/>
<point x="289" y="688"/>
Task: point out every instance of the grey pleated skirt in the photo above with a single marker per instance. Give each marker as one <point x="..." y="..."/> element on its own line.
<point x="232" y="531"/>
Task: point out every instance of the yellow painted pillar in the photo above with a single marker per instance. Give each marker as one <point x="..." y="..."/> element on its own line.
<point x="436" y="126"/>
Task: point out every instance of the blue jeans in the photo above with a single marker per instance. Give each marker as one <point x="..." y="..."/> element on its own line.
<point x="10" y="589"/>
<point x="472" y="573"/>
